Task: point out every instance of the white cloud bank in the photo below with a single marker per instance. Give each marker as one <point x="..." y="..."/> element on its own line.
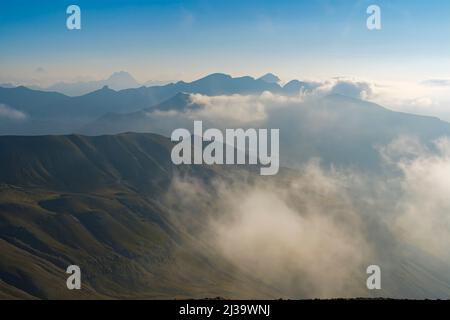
<point x="286" y="236"/>
<point x="235" y="110"/>
<point x="423" y="211"/>
<point x="313" y="233"/>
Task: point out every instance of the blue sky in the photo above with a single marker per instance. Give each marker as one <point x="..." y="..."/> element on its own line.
<point x="165" y="40"/>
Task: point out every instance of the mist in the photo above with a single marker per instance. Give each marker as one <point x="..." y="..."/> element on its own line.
<point x="311" y="233"/>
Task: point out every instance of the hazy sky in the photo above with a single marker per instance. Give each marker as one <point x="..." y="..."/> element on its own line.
<point x="165" y="40"/>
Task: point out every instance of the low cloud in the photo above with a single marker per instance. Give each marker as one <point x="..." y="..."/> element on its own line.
<point x="359" y="90"/>
<point x="227" y="111"/>
<point x="313" y="232"/>
<point x="246" y="110"/>
<point x="11" y="114"/>
<point x="429" y="98"/>
<point x="233" y="109"/>
<point x="257" y="110"/>
<point x="303" y="238"/>
<point x="423" y="210"/>
<point x="436" y="82"/>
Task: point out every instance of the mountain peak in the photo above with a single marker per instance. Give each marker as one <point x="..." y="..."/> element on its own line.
<point x="120" y="80"/>
<point x="178" y="102"/>
<point x="269" y="78"/>
<point x="215" y="76"/>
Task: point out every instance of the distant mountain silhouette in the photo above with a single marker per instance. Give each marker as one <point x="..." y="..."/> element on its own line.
<point x="117" y="81"/>
<point x="7" y="85"/>
<point x="180" y="102"/>
<point x="337" y="129"/>
<point x="152" y="83"/>
<point x="294" y="87"/>
<point x="270" y="78"/>
<point x="55" y="113"/>
<point x="223" y="84"/>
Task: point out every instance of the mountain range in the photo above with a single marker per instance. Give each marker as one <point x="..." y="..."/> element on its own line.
<point x="117" y="81"/>
<point x="120" y="80"/>
<point x="56" y="113"/>
<point x="322" y="127"/>
<point x="89" y="180"/>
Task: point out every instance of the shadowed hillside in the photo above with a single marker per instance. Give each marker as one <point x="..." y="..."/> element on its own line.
<point x="140" y="227"/>
<point x="97" y="202"/>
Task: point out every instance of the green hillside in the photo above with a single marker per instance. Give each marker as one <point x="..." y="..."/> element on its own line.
<point x="96" y="202"/>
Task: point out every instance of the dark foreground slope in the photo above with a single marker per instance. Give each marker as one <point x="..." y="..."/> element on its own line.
<point x="140" y="227"/>
<point x="97" y="202"/>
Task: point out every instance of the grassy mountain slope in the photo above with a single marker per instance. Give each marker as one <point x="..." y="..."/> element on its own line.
<point x="96" y="202"/>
